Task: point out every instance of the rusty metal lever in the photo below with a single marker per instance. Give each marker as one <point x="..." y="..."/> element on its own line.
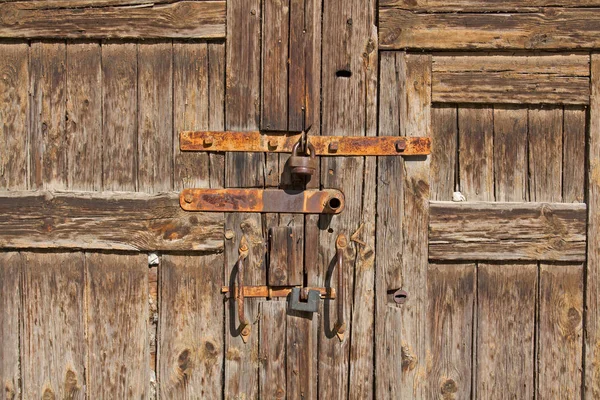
<point x="244" y="323"/>
<point x="340" y="326"/>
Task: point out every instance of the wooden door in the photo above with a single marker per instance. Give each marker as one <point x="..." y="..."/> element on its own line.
<point x="109" y="290"/>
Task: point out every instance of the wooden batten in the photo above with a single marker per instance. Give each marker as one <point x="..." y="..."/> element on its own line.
<point x="105" y="221"/>
<point x="507" y="231"/>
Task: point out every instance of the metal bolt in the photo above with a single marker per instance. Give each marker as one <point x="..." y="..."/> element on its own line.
<point x="400" y="145"/>
<point x="334" y="146"/>
<point x="273" y="143"/>
<point x="342" y="241"/>
<point x="188" y="198"/>
<point x="208" y="141"/>
<point x="246" y="331"/>
<point x="400" y="296"/>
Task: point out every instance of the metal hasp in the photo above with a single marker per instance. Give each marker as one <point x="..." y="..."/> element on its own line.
<point x="310" y="305"/>
<point x="327" y="201"/>
<point x="283" y="142"/>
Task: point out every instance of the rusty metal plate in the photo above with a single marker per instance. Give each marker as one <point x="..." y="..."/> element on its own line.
<point x="276" y="291"/>
<point x="328" y="201"/>
<point x="256" y="141"/>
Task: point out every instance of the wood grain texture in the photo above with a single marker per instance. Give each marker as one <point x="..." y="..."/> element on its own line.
<point x="545" y="154"/>
<point x="301" y="356"/>
<point x="560" y="331"/>
<point x="476" y="152"/>
<point x="451" y="294"/>
<point x="47" y="135"/>
<point x="574" y="140"/>
<point x="53" y="350"/>
<point x="84" y="116"/>
<point x="191" y="327"/>
<point x="504" y="337"/>
<point x="80" y="20"/>
<point x="592" y="297"/>
<point x="507" y="231"/>
<point x="510" y="154"/>
<point x="286" y="251"/>
<point x="272" y="355"/>
<point x="119" y="116"/>
<point x="517" y="79"/>
<point x="155" y="117"/>
<point x="115" y="221"/>
<point x="444" y="135"/>
<point x="10" y="325"/>
<point x="216" y="108"/>
<point x="403" y="212"/>
<point x="14" y="89"/>
<point x="481" y="5"/>
<point x="546" y="28"/>
<point x="117" y="324"/>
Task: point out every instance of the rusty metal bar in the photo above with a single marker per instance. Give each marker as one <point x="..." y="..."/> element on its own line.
<point x="275" y="291"/>
<point x="340" y="326"/>
<point x="256" y="141"/>
<point x="328" y="201"/>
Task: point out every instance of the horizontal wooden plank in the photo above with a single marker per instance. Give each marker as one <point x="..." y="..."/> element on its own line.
<point x="484" y="78"/>
<point x="507" y="231"/>
<point x="112" y="19"/>
<point x="107" y="220"/>
<point x="481" y="5"/>
<point x="545" y="28"/>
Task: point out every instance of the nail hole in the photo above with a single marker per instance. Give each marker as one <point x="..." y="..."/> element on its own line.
<point x="343" y="73"/>
<point x="334" y="203"/>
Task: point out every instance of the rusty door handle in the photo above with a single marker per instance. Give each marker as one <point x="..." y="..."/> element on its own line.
<point x="340" y="326"/>
<point x="244" y="323"/>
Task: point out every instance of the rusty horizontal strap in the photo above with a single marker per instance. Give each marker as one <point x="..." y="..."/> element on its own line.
<point x="328" y="201"/>
<point x="276" y="291"/>
<point x="256" y="141"/>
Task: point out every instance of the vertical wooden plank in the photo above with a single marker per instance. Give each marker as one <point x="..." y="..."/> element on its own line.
<point x="592" y="298"/>
<point x="510" y="153"/>
<point x="505" y="337"/>
<point x="275" y="48"/>
<point x="155" y="117"/>
<point x="560" y="332"/>
<point x="10" y="331"/>
<point x="443" y="160"/>
<point x="301" y="356"/>
<point x="53" y="347"/>
<point x="298" y="68"/>
<point x="119" y="116"/>
<point x="47" y="115"/>
<point x="573" y="179"/>
<point x="84" y="116"/>
<point x="191" y="327"/>
<point x="216" y="113"/>
<point x="243" y="89"/>
<point x="272" y="350"/>
<point x="286" y="256"/>
<point x="403" y="190"/>
<point x="545" y="154"/>
<point x="450" y="293"/>
<point x="476" y="152"/>
<point x="14" y="89"/>
<point x="117" y="321"/>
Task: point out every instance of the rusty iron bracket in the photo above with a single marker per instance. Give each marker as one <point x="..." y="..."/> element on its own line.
<point x="270" y="292"/>
<point x="279" y="142"/>
<point x="327" y="201"/>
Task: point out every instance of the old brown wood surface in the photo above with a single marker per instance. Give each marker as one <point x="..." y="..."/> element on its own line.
<point x="108" y="289"/>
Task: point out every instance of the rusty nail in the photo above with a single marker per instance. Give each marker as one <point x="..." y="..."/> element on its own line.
<point x="273" y="143"/>
<point x="341" y="241"/>
<point x="208" y="141"/>
<point x="188" y="198"/>
<point x="229" y="234"/>
<point x="400" y="145"/>
<point x="334" y="146"/>
<point x="246" y="331"/>
<point x="400" y="296"/>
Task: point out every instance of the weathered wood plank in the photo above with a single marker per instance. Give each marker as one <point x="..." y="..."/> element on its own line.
<point x="505" y="362"/>
<point x="191" y="327"/>
<point x="560" y="331"/>
<point x="476" y="153"/>
<point x="216" y="108"/>
<point x="592" y="297"/>
<point x="451" y="293"/>
<point x="510" y="154"/>
<point x="481" y="5"/>
<point x="286" y="252"/>
<point x="48" y="144"/>
<point x="155" y="117"/>
<point x="79" y="20"/>
<point x="117" y="322"/>
<point x="483" y="78"/>
<point x="272" y="355"/>
<point x="84" y="116"/>
<point x="301" y="356"/>
<point x="546" y="28"/>
<point x="545" y="154"/>
<point x="10" y="326"/>
<point x="53" y="347"/>
<point x="574" y="132"/>
<point x="444" y="135"/>
<point x="14" y="89"/>
<point x="119" y="116"/>
<point x="507" y="231"/>
<point x="109" y="220"/>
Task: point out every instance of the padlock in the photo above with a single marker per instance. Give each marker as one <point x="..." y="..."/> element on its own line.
<point x="303" y="165"/>
<point x="310" y="305"/>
